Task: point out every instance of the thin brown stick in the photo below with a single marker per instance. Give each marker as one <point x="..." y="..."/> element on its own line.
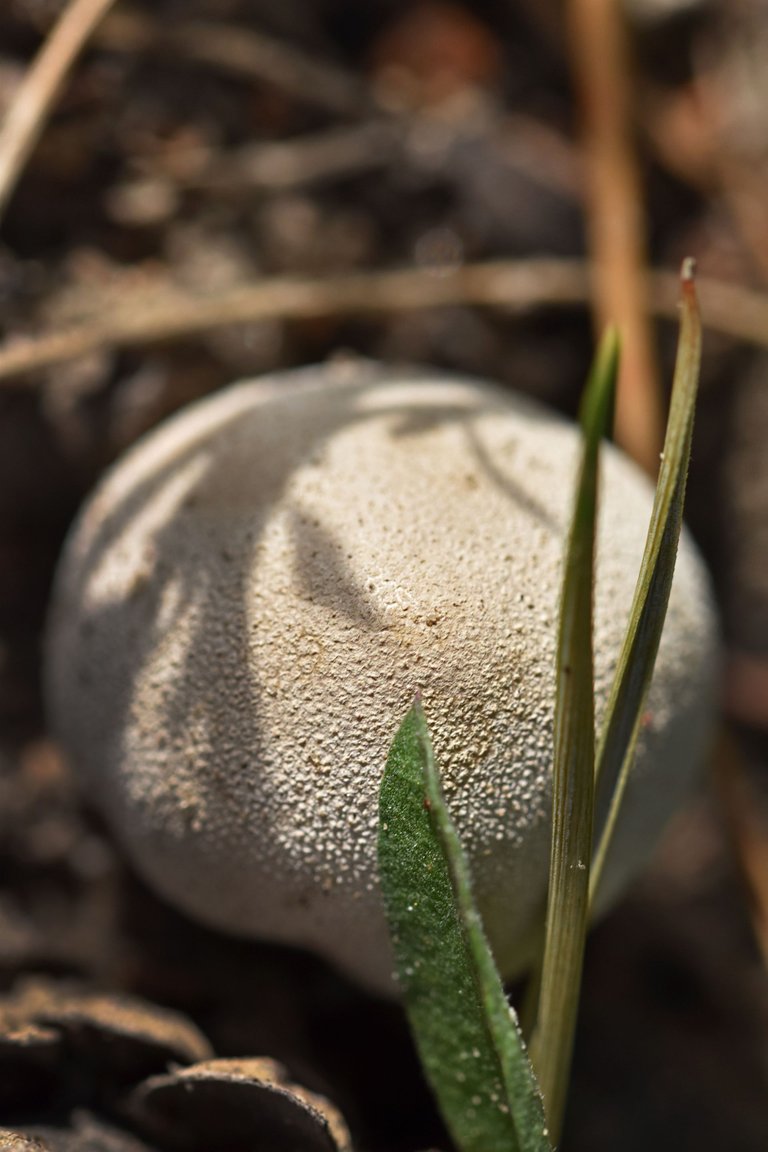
<point x="240" y="51"/>
<point x="302" y="161"/>
<point x="748" y="831"/>
<point x="615" y="218"/>
<point x="745" y="689"/>
<point x="513" y="286"/>
<point x="38" y="90"/>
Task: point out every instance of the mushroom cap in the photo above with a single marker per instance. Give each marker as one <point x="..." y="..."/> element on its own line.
<point x="248" y="602"/>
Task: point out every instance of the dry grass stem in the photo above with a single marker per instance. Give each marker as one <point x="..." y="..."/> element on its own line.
<point x="242" y="52"/>
<point x="748" y="832"/>
<point x="303" y="161"/>
<point x="600" y="59"/>
<point x="515" y="285"/>
<point x="32" y="103"/>
<point x="746" y="689"/>
<point x="512" y="286"/>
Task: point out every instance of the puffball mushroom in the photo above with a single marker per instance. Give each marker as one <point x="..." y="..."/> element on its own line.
<point x="249" y="601"/>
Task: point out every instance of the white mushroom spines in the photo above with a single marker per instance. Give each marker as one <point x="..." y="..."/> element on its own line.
<point x="254" y="593"/>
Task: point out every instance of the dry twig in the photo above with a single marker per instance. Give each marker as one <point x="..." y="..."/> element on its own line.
<point x="748" y="831"/>
<point x="38" y="90"/>
<point x="746" y="690"/>
<point x="615" y="218"/>
<point x="243" y="52"/>
<point x="512" y="286"/>
<point x="302" y="161"/>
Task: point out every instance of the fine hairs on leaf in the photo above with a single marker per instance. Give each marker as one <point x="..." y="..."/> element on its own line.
<point x="465" y="1030"/>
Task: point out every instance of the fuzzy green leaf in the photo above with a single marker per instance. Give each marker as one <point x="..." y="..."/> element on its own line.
<point x="464" y="1028"/>
<point x="649" y="607"/>
<point x="574" y="760"/>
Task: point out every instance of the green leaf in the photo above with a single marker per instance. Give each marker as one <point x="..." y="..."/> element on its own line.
<point x="464" y="1028"/>
<point x="649" y="607"/>
<point x="574" y="760"/>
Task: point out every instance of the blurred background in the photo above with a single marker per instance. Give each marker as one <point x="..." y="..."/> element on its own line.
<point x="208" y="189"/>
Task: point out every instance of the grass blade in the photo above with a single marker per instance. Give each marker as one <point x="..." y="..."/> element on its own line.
<point x="649" y="607"/>
<point x="464" y="1028"/>
<point x="574" y="760"/>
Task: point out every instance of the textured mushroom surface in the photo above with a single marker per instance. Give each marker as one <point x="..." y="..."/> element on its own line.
<point x="251" y="597"/>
